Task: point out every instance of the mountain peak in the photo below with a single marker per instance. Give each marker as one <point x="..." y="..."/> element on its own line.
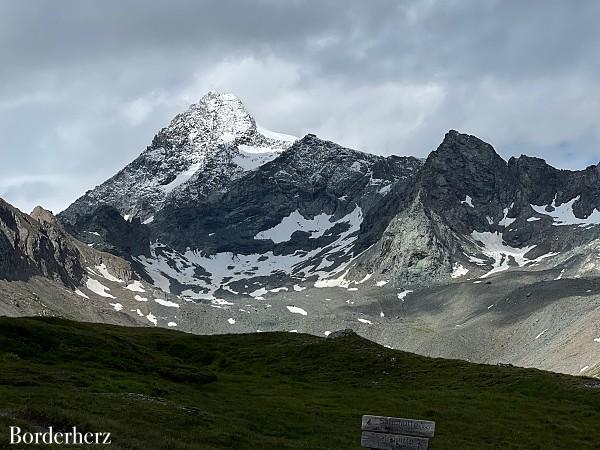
<point x="43" y="215"/>
<point x="465" y="147"/>
<point x="217" y="117"/>
<point x="220" y="95"/>
<point x="216" y="139"/>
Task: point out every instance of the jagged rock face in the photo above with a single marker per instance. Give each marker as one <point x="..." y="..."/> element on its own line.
<point x="470" y="211"/>
<point x="312" y="178"/>
<point x="466" y="171"/>
<point x="216" y="136"/>
<point x="464" y="166"/>
<point x="538" y="183"/>
<point x="106" y="230"/>
<point x="416" y="248"/>
<point x="35" y="245"/>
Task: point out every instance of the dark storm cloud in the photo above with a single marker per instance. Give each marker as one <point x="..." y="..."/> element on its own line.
<point x="85" y="84"/>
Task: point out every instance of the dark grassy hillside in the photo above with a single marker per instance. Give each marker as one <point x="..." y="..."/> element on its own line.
<point x="162" y="389"/>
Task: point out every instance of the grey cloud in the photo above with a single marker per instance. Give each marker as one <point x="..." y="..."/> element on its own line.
<point x="84" y="85"/>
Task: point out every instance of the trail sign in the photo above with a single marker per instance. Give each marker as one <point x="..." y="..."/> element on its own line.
<point x="395" y="433"/>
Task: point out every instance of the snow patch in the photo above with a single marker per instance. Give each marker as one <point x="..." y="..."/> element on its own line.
<point x="103" y="271"/>
<point x="402" y="295"/>
<point x="98" y="288"/>
<point x="81" y="294"/>
<point x="366" y="278"/>
<point x="166" y="303"/>
<point x="334" y="282"/>
<point x="136" y="286"/>
<point x="279" y="289"/>
<point x="506" y="221"/>
<point x="274" y="135"/>
<point x="493" y="246"/>
<point x="181" y="178"/>
<point x="221" y="302"/>
<point x="251" y="158"/>
<point x="468" y="201"/>
<point x="258" y="294"/>
<point x="459" y="271"/>
<point x="296" y="310"/>
<point x="385" y="190"/>
<point x="564" y="215"/>
<point x="317" y="226"/>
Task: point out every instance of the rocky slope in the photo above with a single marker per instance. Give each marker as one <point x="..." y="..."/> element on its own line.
<point x="45" y="271"/>
<point x="36" y="245"/>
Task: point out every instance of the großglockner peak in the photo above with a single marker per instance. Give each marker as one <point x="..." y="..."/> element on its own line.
<point x="216" y="133"/>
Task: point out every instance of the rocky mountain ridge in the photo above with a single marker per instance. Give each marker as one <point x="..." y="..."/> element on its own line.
<point x="317" y="210"/>
<point x="472" y="211"/>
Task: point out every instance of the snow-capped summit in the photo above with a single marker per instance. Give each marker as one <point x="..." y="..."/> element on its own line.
<point x="217" y="118"/>
<point x="214" y="140"/>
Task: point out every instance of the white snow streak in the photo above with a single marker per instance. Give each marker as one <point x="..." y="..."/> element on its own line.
<point x="166" y="303"/>
<point x="81" y="294"/>
<point x="541" y="334"/>
<point x="296" y="310"/>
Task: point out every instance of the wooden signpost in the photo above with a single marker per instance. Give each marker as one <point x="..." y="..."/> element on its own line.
<point x="394" y="433"/>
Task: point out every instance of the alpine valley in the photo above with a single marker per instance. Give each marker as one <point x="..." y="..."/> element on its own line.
<point x="222" y="226"/>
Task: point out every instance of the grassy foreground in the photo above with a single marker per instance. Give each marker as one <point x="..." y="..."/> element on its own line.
<point x="162" y="389"/>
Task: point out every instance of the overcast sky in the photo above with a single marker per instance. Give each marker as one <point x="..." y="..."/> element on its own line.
<point x="85" y="84"/>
